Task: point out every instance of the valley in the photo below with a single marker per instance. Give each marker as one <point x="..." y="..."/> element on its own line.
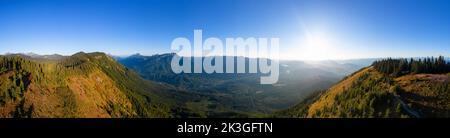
<point x="297" y="79"/>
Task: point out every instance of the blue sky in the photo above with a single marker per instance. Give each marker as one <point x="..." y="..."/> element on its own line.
<point x="308" y="29"/>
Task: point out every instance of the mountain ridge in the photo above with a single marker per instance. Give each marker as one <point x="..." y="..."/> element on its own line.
<point x="81" y="85"/>
<point x="374" y="92"/>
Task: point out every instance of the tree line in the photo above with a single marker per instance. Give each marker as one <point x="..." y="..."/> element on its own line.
<point x="402" y="66"/>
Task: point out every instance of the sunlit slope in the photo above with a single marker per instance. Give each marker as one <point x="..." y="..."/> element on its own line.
<point x="82" y="85"/>
<point x="369" y="93"/>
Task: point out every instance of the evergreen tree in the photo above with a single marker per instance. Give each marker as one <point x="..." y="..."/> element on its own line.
<point x="398" y="67"/>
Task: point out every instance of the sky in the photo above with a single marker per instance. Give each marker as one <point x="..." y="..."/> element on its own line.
<point x="307" y="29"/>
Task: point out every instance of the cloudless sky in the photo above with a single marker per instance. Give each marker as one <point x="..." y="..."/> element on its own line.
<point x="308" y="29"/>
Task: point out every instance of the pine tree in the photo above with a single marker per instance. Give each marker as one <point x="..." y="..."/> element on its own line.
<point x="397" y="67"/>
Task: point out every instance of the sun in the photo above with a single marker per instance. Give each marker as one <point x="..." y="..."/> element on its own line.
<point x="316" y="46"/>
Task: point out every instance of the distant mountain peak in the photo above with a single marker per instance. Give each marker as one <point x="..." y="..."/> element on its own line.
<point x="31" y="54"/>
<point x="137" y="55"/>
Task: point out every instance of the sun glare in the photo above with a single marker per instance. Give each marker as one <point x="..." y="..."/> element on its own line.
<point x="316" y="46"/>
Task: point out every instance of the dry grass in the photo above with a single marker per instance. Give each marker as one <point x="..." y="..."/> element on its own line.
<point x="327" y="100"/>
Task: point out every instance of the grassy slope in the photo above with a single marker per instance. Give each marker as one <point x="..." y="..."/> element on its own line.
<point x="369" y="93"/>
<point x="83" y="85"/>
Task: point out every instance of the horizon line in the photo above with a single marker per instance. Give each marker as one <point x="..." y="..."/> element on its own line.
<point x="147" y="55"/>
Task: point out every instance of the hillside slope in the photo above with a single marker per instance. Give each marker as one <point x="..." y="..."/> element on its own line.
<point x="81" y="85"/>
<point x="370" y="93"/>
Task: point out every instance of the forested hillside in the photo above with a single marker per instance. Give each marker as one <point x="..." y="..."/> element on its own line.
<point x="81" y="85"/>
<point x="389" y="88"/>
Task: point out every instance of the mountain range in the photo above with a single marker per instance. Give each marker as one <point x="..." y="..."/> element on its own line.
<point x="83" y="85"/>
<point x="296" y="80"/>
<point x="100" y="85"/>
